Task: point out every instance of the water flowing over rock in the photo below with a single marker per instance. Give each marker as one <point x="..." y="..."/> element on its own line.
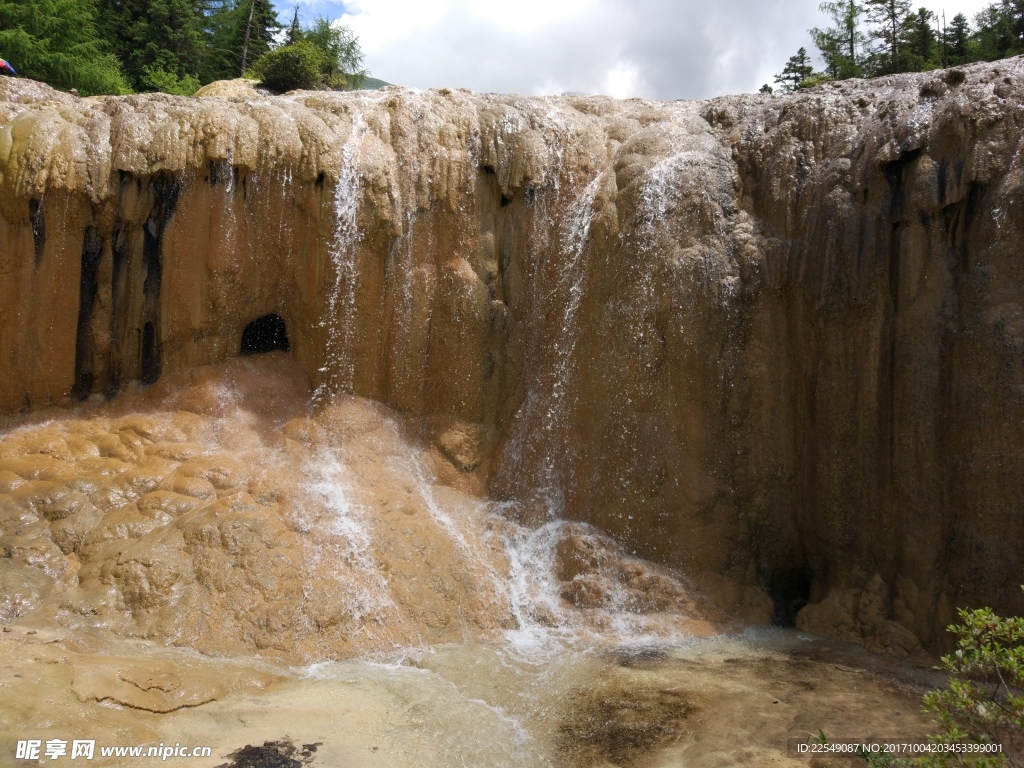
<point x="774" y="343"/>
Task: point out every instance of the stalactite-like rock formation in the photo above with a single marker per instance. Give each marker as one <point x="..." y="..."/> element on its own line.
<point x="773" y="342"/>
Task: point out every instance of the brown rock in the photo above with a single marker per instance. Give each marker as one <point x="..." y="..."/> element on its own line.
<point x="774" y="338"/>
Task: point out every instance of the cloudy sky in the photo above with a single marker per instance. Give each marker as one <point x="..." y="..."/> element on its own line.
<point x="664" y="49"/>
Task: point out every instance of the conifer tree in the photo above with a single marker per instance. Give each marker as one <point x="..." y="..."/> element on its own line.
<point x="256" y="31"/>
<point x="221" y="59"/>
<point x="888" y="17"/>
<point x="798" y="69"/>
<point x="841" y="45"/>
<point x="56" y="41"/>
<point x="1013" y="10"/>
<point x="957" y="41"/>
<point x="1000" y="30"/>
<point x="919" y="42"/>
<point x="159" y="39"/>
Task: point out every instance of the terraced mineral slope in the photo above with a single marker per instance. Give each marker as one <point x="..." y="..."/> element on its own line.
<point x="774" y="343"/>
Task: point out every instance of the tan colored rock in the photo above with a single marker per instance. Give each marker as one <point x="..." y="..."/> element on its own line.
<point x="773" y="338"/>
<point x="463" y="445"/>
<point x="240" y="89"/>
<point x="147" y="685"/>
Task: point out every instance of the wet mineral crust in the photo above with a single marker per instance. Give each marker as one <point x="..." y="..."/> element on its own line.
<point x="775" y="343"/>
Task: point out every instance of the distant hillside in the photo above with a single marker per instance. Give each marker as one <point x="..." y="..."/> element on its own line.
<point x="373" y="84"/>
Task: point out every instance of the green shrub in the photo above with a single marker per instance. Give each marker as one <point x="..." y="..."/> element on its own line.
<point x="292" y="66"/>
<point x="818" y="78"/>
<point x="56" y="41"/>
<point x="984" y="701"/>
<point x="159" y="79"/>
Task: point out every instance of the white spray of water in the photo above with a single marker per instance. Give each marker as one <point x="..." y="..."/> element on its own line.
<point x="338" y="370"/>
<point x="349" y="536"/>
<point x="543" y="416"/>
<point x="543" y="574"/>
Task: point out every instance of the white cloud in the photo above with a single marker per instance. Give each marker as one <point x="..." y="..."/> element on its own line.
<point x="624" y="80"/>
<point x="656" y="48"/>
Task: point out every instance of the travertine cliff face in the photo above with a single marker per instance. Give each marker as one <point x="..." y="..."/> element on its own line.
<point x="774" y="342"/>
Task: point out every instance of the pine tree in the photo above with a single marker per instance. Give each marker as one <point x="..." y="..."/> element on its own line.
<point x="841" y="44"/>
<point x="919" y="44"/>
<point x="159" y="39"/>
<point x="256" y="32"/>
<point x="221" y="59"/>
<point x="956" y="41"/>
<point x="797" y="69"/>
<point x="56" y="41"/>
<point x="888" y="17"/>
<point x="1000" y="30"/>
<point x="1013" y="10"/>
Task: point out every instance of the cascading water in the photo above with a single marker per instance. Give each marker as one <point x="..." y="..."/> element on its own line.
<point x="539" y="433"/>
<point x="338" y="370"/>
<point x="345" y="538"/>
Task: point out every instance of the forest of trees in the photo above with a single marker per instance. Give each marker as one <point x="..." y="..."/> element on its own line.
<point x="174" y="46"/>
<point x="882" y="37"/>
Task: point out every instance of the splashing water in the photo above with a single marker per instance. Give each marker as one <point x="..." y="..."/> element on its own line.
<point x="338" y="370"/>
<point x="542" y="420"/>
<point x="572" y="586"/>
<point x="347" y="537"/>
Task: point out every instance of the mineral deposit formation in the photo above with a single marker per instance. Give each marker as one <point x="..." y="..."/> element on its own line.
<point x="775" y="343"/>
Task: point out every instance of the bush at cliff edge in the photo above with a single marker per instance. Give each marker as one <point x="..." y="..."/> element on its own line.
<point x="290" y="67"/>
<point x="984" y="702"/>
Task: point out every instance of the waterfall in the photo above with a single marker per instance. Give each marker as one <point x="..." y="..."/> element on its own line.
<point x="539" y="433"/>
<point x="338" y="369"/>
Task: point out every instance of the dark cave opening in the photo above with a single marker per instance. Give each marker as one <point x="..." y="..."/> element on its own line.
<point x="265" y="334"/>
<point x="791" y="591"/>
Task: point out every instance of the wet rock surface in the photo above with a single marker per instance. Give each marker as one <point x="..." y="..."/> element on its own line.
<point x="726" y="701"/>
<point x="218" y="511"/>
<point x="771" y="342"/>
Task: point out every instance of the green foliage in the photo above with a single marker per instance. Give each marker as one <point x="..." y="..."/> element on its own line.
<point x="919" y="45"/>
<point x="173" y="46"/>
<point x="888" y="17"/>
<point x="841" y="45"/>
<point x="956" y="42"/>
<point x="1000" y="30"/>
<point x="290" y="67"/>
<point x="798" y="70"/>
<point x="57" y="41"/>
<point x="148" y="35"/>
<point x="898" y="40"/>
<point x="157" y="79"/>
<point x="984" y="700"/>
<point x="322" y="56"/>
<point x="256" y="28"/>
<point x="343" y="58"/>
<point x="816" y="78"/>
